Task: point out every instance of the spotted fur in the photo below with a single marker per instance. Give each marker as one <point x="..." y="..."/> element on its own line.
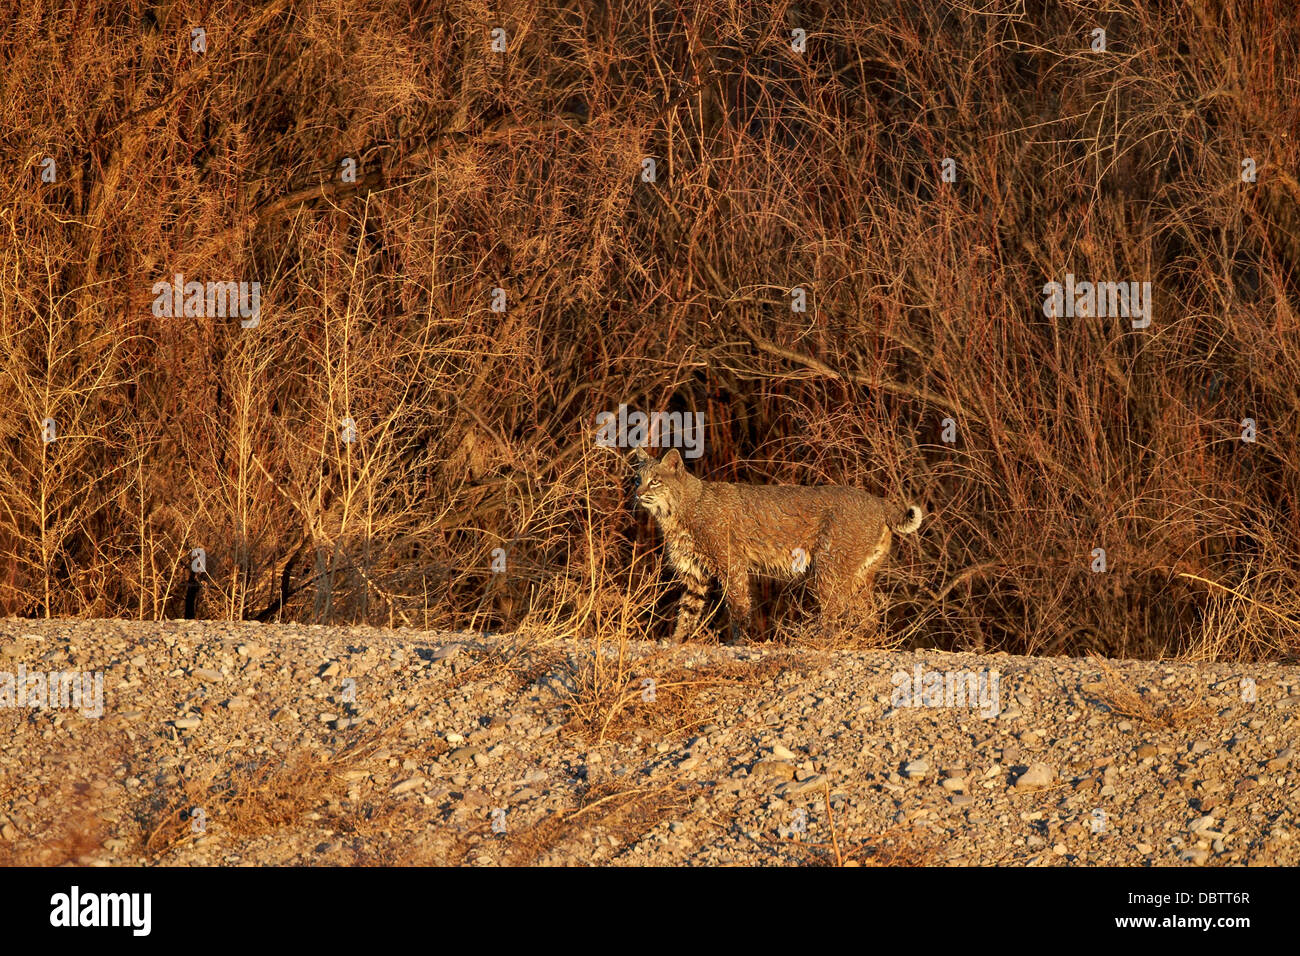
<point x="729" y="533"/>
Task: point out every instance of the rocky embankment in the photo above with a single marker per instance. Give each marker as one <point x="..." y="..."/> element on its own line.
<point x="240" y="744"/>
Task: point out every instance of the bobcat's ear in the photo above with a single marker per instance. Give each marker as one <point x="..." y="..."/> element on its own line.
<point x="638" y="457"/>
<point x="673" y="462"/>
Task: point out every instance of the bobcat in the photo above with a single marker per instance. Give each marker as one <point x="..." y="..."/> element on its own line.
<point x="728" y="532"/>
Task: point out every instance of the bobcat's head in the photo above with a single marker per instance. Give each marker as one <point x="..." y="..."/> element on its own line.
<point x="661" y="484"/>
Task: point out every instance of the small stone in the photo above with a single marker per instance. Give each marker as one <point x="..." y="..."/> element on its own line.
<point x="406" y="786"/>
<point x="954" y="785"/>
<point x="916" y="768"/>
<point x="1146" y="750"/>
<point x="795" y="788"/>
<point x="187" y="723"/>
<point x="782" y="753"/>
<point x="1282" y="760"/>
<point x="773" y="768"/>
<point x="207" y="673"/>
<point x="1143" y="848"/>
<point x="463" y="754"/>
<point x="330" y="670"/>
<point x="1039" y="775"/>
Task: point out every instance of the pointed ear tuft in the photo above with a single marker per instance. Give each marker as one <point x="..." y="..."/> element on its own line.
<point x="673" y="462"/>
<point x="638" y="456"/>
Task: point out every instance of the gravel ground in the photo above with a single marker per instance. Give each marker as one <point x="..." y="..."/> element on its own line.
<point x="246" y="744"/>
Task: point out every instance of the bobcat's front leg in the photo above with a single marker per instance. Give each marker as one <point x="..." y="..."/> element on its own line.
<point x="691" y="606"/>
<point x="740" y="606"/>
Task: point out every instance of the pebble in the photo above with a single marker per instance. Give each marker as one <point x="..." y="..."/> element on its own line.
<point x="773" y="768"/>
<point x="1038" y="775"/>
<point x="796" y="787"/>
<point x="1282" y="760"/>
<point x="463" y="754"/>
<point x="406" y="786"/>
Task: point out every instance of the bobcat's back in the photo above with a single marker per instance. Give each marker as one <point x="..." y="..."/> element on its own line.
<point x="778" y="530"/>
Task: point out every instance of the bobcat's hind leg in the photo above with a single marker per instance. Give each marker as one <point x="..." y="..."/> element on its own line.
<point x="844" y="576"/>
<point x="741" y="606"/>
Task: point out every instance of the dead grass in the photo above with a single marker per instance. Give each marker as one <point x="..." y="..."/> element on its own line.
<point x="902" y="845"/>
<point x="610" y="811"/>
<point x="657" y="697"/>
<point x="78" y="832"/>
<point x="775" y="169"/>
<point x="1150" y="706"/>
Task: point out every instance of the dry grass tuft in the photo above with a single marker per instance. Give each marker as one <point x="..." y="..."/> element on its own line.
<point x="658" y="697"/>
<point x="1150" y="706"/>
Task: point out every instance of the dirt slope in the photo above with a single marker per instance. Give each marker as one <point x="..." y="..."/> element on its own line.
<point x="334" y="745"/>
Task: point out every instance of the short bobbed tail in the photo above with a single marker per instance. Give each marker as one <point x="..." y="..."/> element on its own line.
<point x="905" y="521"/>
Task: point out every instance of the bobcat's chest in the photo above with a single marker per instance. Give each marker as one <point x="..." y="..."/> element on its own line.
<point x="683" y="553"/>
